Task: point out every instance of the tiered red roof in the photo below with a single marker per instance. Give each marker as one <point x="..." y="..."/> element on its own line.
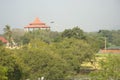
<point x="37" y="24"/>
<point x="3" y="39"/>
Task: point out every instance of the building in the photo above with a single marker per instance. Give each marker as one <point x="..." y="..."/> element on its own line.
<point x="111" y="50"/>
<point x="2" y="39"/>
<point x="36" y="24"/>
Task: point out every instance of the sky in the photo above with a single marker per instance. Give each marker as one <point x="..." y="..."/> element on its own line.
<point x="89" y="15"/>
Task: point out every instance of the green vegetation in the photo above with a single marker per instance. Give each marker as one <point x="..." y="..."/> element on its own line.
<point x="110" y="68"/>
<point x="113" y="36"/>
<point x="55" y="56"/>
<point x="3" y="72"/>
<point x="8" y="33"/>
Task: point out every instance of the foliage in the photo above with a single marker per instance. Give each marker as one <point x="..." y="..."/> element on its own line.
<point x="113" y="36"/>
<point x="8" y="61"/>
<point x="46" y="36"/>
<point x="75" y="33"/>
<point x="56" y="60"/>
<point x="1" y="43"/>
<point x="75" y="52"/>
<point x="8" y="32"/>
<point x="110" y="68"/>
<point x="3" y="72"/>
<point x="17" y="34"/>
<point x="56" y="55"/>
<point x="42" y="61"/>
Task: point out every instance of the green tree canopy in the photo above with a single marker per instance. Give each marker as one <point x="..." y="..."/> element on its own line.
<point x="10" y="63"/>
<point x="3" y="73"/>
<point x="74" y="51"/>
<point x="110" y="68"/>
<point x="75" y="33"/>
<point x="42" y="61"/>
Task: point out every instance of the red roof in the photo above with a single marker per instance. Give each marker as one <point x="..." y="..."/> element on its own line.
<point x="3" y="39"/>
<point x="37" y="24"/>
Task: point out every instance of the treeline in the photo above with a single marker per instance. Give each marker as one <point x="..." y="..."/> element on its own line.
<point x="112" y="36"/>
<point x="54" y="55"/>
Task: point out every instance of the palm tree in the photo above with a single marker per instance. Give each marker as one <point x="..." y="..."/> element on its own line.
<point x="8" y="33"/>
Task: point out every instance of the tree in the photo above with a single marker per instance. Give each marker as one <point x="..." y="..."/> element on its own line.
<point x="113" y="37"/>
<point x="44" y="35"/>
<point x="42" y="61"/>
<point x="74" y="51"/>
<point x="10" y="64"/>
<point x="3" y="73"/>
<point x="8" y="32"/>
<point x="17" y="35"/>
<point x="75" y="33"/>
<point x="1" y="43"/>
<point x="110" y="68"/>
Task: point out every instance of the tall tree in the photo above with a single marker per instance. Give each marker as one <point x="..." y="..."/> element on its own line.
<point x="8" y="32"/>
<point x="75" y="33"/>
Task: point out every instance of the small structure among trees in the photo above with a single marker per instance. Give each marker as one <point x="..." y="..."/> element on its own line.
<point x="3" y="40"/>
<point x="36" y="24"/>
<point x="111" y="50"/>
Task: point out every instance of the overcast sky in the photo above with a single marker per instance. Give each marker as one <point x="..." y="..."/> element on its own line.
<point x="89" y="15"/>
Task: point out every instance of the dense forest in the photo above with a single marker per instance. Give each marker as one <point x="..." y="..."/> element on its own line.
<point x="58" y="55"/>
